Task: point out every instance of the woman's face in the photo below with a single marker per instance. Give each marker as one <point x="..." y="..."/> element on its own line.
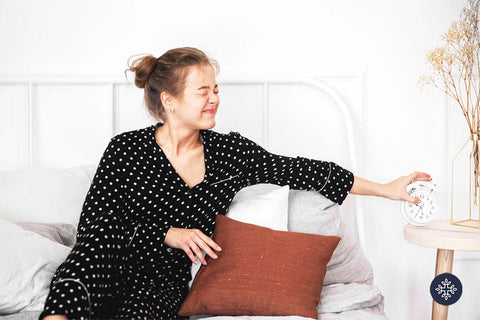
<point x="198" y="105"/>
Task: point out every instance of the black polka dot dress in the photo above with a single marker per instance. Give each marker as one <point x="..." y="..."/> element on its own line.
<point x="120" y="267"/>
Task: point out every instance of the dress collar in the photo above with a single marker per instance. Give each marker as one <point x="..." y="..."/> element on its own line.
<point x="203" y="133"/>
<point x="206" y="152"/>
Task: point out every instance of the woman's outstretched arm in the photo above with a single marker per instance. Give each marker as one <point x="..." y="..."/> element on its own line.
<point x="395" y="190"/>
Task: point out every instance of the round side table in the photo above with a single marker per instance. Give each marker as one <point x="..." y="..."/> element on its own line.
<point x="446" y="238"/>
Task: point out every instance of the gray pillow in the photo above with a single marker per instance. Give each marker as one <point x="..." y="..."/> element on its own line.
<point x="62" y="233"/>
<point x="311" y="212"/>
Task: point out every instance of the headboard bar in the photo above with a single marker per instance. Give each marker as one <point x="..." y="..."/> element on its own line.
<point x="113" y="82"/>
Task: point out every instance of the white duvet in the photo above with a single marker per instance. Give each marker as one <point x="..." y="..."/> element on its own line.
<point x="27" y="262"/>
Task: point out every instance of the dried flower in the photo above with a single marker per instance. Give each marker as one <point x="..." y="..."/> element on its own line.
<point x="455" y="69"/>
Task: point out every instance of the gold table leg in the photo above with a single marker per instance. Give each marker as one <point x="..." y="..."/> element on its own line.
<point x="444" y="264"/>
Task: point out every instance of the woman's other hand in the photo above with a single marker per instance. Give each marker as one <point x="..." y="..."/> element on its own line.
<point x="397" y="189"/>
<point x="192" y="241"/>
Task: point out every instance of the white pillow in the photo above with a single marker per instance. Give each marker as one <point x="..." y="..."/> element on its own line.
<point x="262" y="204"/>
<point x="44" y="194"/>
<point x="28" y="262"/>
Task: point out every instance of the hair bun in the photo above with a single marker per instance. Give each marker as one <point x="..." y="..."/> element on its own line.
<point x="143" y="68"/>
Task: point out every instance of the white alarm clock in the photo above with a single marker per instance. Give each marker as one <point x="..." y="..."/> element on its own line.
<point x="424" y="212"/>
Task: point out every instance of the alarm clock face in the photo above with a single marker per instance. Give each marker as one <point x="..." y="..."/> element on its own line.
<point x="422" y="213"/>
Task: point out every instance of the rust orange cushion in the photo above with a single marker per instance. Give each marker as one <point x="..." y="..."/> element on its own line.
<point x="260" y="271"/>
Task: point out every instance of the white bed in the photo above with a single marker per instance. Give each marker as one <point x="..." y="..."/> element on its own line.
<point x="274" y="111"/>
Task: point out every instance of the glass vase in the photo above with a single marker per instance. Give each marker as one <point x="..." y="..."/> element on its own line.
<point x="465" y="192"/>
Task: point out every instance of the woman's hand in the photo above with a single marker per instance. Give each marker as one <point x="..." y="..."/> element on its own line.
<point x="55" y="317"/>
<point x="397" y="189"/>
<point x="191" y="241"/>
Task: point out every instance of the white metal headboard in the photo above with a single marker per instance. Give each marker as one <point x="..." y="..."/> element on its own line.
<point x="112" y="85"/>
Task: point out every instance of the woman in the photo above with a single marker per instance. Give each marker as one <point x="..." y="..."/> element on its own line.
<point x="151" y="207"/>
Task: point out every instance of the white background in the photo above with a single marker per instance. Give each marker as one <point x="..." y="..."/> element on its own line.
<point x="405" y="129"/>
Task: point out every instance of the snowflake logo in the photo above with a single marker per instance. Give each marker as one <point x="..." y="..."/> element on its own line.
<point x="446" y="289"/>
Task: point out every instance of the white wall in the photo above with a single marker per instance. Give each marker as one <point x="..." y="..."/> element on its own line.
<point x="404" y="129"/>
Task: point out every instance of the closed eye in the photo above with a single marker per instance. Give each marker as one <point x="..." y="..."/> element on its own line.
<point x="204" y="90"/>
<point x="206" y="93"/>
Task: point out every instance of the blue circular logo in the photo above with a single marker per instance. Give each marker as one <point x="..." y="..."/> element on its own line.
<point x="446" y="289"/>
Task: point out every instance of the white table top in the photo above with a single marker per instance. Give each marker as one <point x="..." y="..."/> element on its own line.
<point x="443" y="235"/>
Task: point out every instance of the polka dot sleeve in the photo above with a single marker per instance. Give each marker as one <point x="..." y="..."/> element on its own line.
<point x="105" y="192"/>
<point x="328" y="178"/>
